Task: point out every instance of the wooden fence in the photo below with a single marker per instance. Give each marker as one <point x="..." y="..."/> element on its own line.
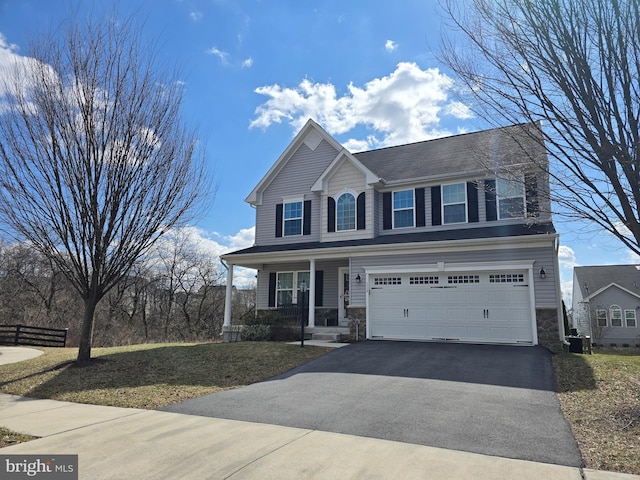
<point x="33" y="336"/>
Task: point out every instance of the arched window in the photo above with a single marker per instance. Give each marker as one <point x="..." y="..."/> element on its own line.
<point x="346" y="212"/>
<point x="616" y="316"/>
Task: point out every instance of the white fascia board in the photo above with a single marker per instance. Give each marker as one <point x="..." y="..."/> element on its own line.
<point x="452" y="267"/>
<point x="255" y="197"/>
<point x="598" y="292"/>
<point x="445" y="246"/>
<point x="344" y="155"/>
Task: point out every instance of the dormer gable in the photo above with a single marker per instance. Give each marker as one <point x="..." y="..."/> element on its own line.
<point x="321" y="185"/>
<point x="311" y="135"/>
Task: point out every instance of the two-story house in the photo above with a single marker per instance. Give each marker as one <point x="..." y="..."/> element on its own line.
<point x="442" y="240"/>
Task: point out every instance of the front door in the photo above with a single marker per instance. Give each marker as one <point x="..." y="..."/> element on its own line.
<point x="343" y="293"/>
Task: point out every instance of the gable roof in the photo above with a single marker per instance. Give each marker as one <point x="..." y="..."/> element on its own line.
<point x="311" y="134"/>
<point x="470" y="152"/>
<point x="592" y="280"/>
<point x="343" y="156"/>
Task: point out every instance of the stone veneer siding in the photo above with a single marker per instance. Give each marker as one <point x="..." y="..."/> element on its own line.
<point x="357" y="322"/>
<point x="548" y="333"/>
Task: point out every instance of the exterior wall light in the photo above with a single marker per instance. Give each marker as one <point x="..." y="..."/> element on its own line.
<point x="543" y="274"/>
<point x="358" y="278"/>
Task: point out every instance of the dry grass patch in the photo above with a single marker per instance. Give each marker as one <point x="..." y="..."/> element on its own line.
<point x="8" y="438"/>
<point x="600" y="396"/>
<point x="150" y="376"/>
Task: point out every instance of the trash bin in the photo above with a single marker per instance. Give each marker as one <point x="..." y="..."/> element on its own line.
<point x="575" y="344"/>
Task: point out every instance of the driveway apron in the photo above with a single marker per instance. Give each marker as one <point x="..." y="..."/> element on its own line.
<point x="488" y="399"/>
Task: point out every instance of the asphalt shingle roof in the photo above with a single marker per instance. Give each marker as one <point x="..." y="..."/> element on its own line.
<point x="468" y="152"/>
<point x="591" y="279"/>
<point x="495" y="231"/>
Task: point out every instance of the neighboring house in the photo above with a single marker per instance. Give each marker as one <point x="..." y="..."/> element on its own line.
<point x="606" y="301"/>
<point x="414" y="242"/>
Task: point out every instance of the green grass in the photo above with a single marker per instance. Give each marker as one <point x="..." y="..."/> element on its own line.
<point x="600" y="396"/>
<point x="150" y="376"/>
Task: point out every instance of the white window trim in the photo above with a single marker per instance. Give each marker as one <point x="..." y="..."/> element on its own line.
<point x="635" y="318"/>
<point x="355" y="201"/>
<point x="466" y="203"/>
<point x="598" y="311"/>
<point x="285" y="201"/>
<point x="394" y="209"/>
<point x="519" y="179"/>
<point x="294" y="286"/>
<point x="611" y="310"/>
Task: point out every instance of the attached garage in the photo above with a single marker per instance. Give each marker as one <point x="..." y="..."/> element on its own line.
<point x="492" y="306"/>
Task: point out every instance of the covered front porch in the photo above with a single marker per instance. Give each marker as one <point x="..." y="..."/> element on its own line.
<point x="320" y="289"/>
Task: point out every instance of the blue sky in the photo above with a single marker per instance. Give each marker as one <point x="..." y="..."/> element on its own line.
<point x="256" y="70"/>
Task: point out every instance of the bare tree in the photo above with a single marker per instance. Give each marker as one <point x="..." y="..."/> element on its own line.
<point x="95" y="160"/>
<point x="574" y="65"/>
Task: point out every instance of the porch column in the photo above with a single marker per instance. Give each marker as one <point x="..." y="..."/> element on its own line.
<point x="312" y="293"/>
<point x="227" y="298"/>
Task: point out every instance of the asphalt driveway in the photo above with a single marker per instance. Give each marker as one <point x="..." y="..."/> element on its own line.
<point x="494" y="400"/>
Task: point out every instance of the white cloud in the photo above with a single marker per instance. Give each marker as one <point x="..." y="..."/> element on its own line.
<point x="403" y="107"/>
<point x="214" y="245"/>
<point x="221" y="54"/>
<point x="390" y="46"/>
<point x="196" y="16"/>
<point x="247" y="63"/>
<point x="567" y="260"/>
<point x="567" y="257"/>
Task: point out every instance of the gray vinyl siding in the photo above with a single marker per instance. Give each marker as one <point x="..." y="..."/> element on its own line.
<point x="482" y="214"/>
<point x="618" y="335"/>
<point x="295" y="179"/>
<point x="330" y="280"/>
<point x="545" y="289"/>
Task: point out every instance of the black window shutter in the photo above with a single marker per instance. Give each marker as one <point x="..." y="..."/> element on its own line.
<point x="420" y="217"/>
<point x="272" y="289"/>
<point x="436" y="206"/>
<point x="386" y="211"/>
<point x="531" y="192"/>
<point x="319" y="287"/>
<point x="306" y="218"/>
<point x="490" y="203"/>
<point x="472" y="202"/>
<point x="279" y="220"/>
<point x="331" y="214"/>
<point x="361" y="218"/>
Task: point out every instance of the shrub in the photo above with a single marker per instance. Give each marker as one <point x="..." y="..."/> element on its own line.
<point x="256" y="333"/>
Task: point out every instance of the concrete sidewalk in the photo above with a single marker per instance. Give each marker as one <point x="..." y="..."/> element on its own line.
<point x="117" y="443"/>
<point x="17" y="354"/>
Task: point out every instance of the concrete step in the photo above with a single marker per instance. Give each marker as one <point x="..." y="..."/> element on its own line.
<point x="334" y="337"/>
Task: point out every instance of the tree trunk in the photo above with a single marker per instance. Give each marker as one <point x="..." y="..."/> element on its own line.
<point x="86" y="336"/>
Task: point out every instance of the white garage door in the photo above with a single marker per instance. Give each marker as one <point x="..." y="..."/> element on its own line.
<point x="480" y="307"/>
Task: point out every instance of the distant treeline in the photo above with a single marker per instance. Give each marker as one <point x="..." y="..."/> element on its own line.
<point x="174" y="294"/>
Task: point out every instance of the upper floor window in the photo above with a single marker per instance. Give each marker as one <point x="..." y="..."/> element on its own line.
<point x="616" y="316"/>
<point x="403" y="203"/>
<point x="454" y="203"/>
<point x="293" y="218"/>
<point x="346" y="212"/>
<point x="511" y="198"/>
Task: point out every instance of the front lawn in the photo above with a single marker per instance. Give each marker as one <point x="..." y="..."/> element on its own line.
<point x="150" y="376"/>
<point x="600" y="396"/>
